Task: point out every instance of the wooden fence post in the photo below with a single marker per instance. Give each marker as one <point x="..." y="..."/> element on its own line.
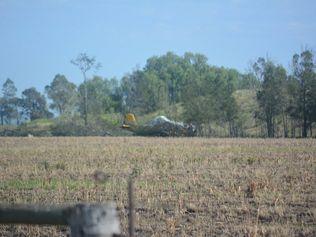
<point x="85" y="220"/>
<point x="92" y="220"/>
<point x="131" y="207"/>
<point x="33" y="215"/>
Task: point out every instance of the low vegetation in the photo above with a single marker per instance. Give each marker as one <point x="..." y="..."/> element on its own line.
<point x="184" y="186"/>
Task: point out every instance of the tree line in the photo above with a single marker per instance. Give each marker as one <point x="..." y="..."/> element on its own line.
<point x="267" y="101"/>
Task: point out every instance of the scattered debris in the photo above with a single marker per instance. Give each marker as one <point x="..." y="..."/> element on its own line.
<point x="159" y="126"/>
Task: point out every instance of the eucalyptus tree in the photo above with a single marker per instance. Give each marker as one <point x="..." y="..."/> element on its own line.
<point x="8" y="102"/>
<point x="62" y="93"/>
<point x="270" y="96"/>
<point x="85" y="64"/>
<point x="34" y="104"/>
<point x="304" y="73"/>
<point x="144" y="92"/>
<point x="100" y="91"/>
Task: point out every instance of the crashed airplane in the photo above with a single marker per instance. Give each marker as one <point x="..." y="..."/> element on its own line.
<point x="159" y="126"/>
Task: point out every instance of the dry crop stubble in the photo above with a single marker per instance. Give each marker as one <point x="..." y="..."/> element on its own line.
<point x="183" y="186"/>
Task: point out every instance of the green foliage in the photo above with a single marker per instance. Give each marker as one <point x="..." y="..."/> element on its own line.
<point x="174" y="112"/>
<point x="113" y="119"/>
<point x="34" y="105"/>
<point x="100" y="96"/>
<point x="8" y="103"/>
<point x="209" y="97"/>
<point x="247" y="106"/>
<point x="249" y="81"/>
<point x="103" y="125"/>
<point x="304" y="88"/>
<point x="27" y="129"/>
<point x="39" y="124"/>
<point x="219" y="101"/>
<point x="143" y="92"/>
<point x="62" y="93"/>
<point x="270" y="96"/>
<point x="169" y="68"/>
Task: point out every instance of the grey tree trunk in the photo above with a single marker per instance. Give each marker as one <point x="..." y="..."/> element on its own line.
<point x="85" y="101"/>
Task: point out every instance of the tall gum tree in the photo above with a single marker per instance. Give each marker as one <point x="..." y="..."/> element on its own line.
<point x="85" y="64"/>
<point x="62" y="93"/>
<point x="269" y="96"/>
<point x="8" y="103"/>
<point x="304" y="73"/>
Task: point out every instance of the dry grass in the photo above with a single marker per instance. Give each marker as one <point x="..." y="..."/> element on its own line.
<point x="184" y="186"/>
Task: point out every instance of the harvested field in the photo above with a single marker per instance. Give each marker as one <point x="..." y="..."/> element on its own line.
<point x="184" y="186"/>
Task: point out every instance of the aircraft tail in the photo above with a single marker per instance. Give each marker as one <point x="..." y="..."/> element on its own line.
<point x="129" y="121"/>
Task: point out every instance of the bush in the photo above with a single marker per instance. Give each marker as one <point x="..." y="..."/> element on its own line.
<point x="104" y="125"/>
<point x="75" y="127"/>
<point x="24" y="131"/>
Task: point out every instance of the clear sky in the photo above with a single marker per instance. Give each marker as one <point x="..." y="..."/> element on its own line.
<point x="38" y="38"/>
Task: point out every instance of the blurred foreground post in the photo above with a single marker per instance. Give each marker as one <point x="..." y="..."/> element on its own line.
<point x="131" y="207"/>
<point x="85" y="220"/>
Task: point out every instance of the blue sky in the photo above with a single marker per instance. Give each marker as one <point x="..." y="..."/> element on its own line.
<point x="38" y="38"/>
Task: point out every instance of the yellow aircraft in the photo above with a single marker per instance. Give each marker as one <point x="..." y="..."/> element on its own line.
<point x="159" y="126"/>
